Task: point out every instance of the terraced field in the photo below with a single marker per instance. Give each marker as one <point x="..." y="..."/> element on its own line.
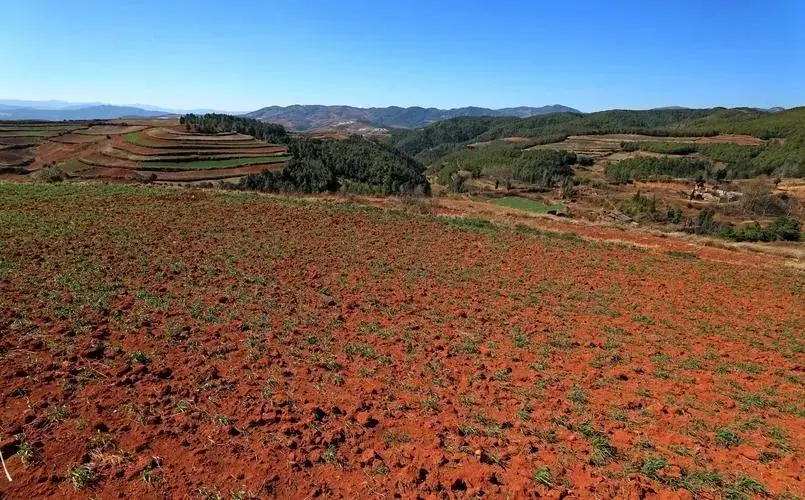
<point x="604" y="146"/>
<point x="146" y="149"/>
<point x="215" y="164"/>
<point x="19" y="141"/>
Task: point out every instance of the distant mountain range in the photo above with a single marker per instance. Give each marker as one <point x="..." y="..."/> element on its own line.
<point x="17" y="103"/>
<point x="14" y="109"/>
<point x="298" y="117"/>
<point x="308" y="117"/>
<point x="100" y="112"/>
<point x="776" y="109"/>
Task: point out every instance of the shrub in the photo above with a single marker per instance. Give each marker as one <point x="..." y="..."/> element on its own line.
<point x="568" y="189"/>
<point x="786" y="229"/>
<point x="52" y="174"/>
<point x="456" y="183"/>
<point x="782" y="229"/>
<point x="355" y="187"/>
<point x="674" y="215"/>
<point x="643" y="207"/>
<point x="759" y="200"/>
<point x="639" y="205"/>
<point x="705" y="223"/>
<point x="446" y="173"/>
<point x="143" y="178"/>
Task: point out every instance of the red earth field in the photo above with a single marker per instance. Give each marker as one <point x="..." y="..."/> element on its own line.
<point x="179" y="343"/>
<point x="145" y="150"/>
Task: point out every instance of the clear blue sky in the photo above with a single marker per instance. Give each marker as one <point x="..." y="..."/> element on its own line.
<point x="241" y="55"/>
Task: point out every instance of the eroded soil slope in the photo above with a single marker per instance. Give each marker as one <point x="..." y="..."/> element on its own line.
<point x="166" y="342"/>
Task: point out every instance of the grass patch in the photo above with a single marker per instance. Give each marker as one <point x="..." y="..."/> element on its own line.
<point x="471" y="224"/>
<point x="652" y="466"/>
<point x="681" y="255"/>
<point x="72" y="166"/>
<point x="31" y="133"/>
<point x="727" y="438"/>
<point x="138" y="140"/>
<point x="5" y="267"/>
<point x="215" y="164"/>
<point x="81" y="476"/>
<point x="744" y="487"/>
<point x="359" y="349"/>
<point x="543" y="476"/>
<point x="533" y="206"/>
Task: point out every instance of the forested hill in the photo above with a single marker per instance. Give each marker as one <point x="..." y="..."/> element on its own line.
<point x="314" y="116"/>
<point x="437" y="140"/>
<point x="356" y="164"/>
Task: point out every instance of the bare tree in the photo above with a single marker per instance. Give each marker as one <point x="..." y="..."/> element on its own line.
<point x="758" y="200"/>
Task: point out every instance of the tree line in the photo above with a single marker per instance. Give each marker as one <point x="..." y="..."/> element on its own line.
<point x="782" y="159"/>
<point x="542" y="168"/>
<point x="215" y="123"/>
<point x="652" y="169"/>
<point x="355" y="164"/>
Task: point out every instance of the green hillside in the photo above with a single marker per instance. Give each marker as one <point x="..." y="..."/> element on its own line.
<point x="786" y="157"/>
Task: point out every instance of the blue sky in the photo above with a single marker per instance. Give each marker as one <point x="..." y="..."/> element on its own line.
<point x="241" y="55"/>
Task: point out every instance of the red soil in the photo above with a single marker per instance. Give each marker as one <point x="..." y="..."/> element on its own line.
<point x="95" y="157"/>
<point x="119" y="167"/>
<point x="95" y="171"/>
<point x="793" y="187"/>
<point x="453" y="207"/>
<point x="173" y="135"/>
<point x="89" y="148"/>
<point x="147" y="122"/>
<point x="56" y="152"/>
<point x="215" y="174"/>
<point x="110" y="130"/>
<point x="178" y="156"/>
<point x="288" y="350"/>
<point x="171" y="147"/>
<point x="110" y="172"/>
<point x="12" y="141"/>
<point x="146" y="151"/>
<point x="743" y="140"/>
<point x="16" y="156"/>
<point x="77" y="138"/>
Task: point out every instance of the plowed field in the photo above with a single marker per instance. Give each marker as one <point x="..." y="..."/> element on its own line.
<point x="182" y="343"/>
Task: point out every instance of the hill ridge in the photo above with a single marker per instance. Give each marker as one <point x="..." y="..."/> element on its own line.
<point x="312" y="116"/>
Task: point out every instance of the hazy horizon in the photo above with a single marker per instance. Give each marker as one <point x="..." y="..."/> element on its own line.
<point x="207" y="109"/>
